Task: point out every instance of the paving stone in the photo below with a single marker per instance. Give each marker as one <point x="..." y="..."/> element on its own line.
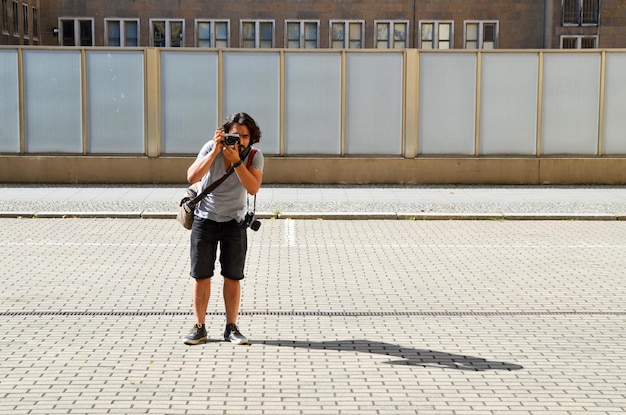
<point x="376" y="316"/>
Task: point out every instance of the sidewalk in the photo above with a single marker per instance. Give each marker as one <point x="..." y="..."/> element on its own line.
<point x="376" y="317"/>
<point x="329" y="202"/>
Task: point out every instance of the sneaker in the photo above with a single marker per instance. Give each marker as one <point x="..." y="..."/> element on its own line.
<point x="233" y="335"/>
<point x="197" y="335"/>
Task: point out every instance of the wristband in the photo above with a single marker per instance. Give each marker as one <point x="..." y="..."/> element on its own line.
<point x="239" y="163"/>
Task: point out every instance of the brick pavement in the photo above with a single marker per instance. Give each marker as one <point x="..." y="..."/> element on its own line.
<point x="329" y="202"/>
<point x="345" y="317"/>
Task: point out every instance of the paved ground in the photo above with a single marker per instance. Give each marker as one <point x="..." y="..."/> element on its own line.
<point x="345" y="316"/>
<point x="442" y="202"/>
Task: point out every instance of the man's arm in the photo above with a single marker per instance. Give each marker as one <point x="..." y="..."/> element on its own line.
<point x="250" y="178"/>
<point x="201" y="166"/>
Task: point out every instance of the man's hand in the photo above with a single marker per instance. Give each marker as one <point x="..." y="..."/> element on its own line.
<point x="231" y="154"/>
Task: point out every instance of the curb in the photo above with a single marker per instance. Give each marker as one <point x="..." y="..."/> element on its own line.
<point x="331" y="216"/>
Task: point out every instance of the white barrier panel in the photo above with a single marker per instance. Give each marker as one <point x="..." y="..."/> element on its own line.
<point x="614" y="138"/>
<point x="189" y="99"/>
<point x="508" y="111"/>
<point x="53" y="101"/>
<point x="313" y="103"/>
<point x="9" y="103"/>
<point x="571" y="96"/>
<point x="115" y="102"/>
<point x="374" y="93"/>
<point x="447" y="101"/>
<point x="252" y="85"/>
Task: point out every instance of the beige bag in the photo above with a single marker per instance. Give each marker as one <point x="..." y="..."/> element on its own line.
<point x="187" y="206"/>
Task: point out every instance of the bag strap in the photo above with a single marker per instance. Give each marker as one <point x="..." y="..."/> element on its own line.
<point x="252" y="151"/>
<point x="230" y="171"/>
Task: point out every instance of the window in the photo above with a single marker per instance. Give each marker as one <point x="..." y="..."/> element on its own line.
<point x="167" y="33"/>
<point x="579" y="42"/>
<point x="212" y="33"/>
<point x="391" y="34"/>
<point x="35" y="23"/>
<point x="346" y="34"/>
<point x="5" y="17"/>
<point x="257" y="34"/>
<point x="25" y="24"/>
<point x="581" y="12"/>
<point x="302" y="34"/>
<point x="121" y="32"/>
<point x="16" y="27"/>
<point x="435" y="35"/>
<point x="76" y="32"/>
<point x="481" y="35"/>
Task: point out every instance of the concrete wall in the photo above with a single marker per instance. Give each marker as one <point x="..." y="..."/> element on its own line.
<point x="308" y="170"/>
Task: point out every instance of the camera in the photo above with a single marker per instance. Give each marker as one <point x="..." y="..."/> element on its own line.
<point x="250" y="221"/>
<point x="231" y="139"/>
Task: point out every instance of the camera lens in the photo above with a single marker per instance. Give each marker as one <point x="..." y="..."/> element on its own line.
<point x="255" y="225"/>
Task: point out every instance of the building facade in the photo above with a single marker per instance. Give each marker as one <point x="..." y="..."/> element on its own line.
<point x="20" y="22"/>
<point x="424" y="24"/>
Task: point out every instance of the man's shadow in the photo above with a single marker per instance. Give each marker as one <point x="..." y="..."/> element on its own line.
<point x="408" y="356"/>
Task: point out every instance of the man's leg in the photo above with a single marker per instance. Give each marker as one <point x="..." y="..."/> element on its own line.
<point x="201" y="295"/>
<point x="201" y="292"/>
<point x="232" y="297"/>
<point x="203" y="248"/>
<point x="233" y="257"/>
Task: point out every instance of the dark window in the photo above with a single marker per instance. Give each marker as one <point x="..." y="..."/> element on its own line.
<point x="577" y="12"/>
<point x="16" y="21"/>
<point x="571" y="12"/>
<point x="588" y="43"/>
<point x="86" y="37"/>
<point x="5" y="17"/>
<point x="590" y="11"/>
<point x="35" y="22"/>
<point x="68" y="33"/>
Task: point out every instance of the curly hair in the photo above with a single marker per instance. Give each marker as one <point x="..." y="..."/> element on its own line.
<point x="242" y="118"/>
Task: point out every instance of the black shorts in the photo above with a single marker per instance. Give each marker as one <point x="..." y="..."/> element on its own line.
<point x="233" y="242"/>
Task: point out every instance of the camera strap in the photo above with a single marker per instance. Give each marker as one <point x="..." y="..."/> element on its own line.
<point x="248" y="204"/>
<point x="253" y="150"/>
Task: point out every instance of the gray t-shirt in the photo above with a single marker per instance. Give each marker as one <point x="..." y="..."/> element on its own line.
<point x="228" y="200"/>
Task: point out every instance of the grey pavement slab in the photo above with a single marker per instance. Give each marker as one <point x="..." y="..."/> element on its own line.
<point x="345" y="317"/>
<point x="338" y="201"/>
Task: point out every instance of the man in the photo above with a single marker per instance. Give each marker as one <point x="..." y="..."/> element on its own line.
<point x="217" y="220"/>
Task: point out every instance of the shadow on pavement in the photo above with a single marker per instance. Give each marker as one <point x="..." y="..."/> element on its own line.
<point x="409" y="356"/>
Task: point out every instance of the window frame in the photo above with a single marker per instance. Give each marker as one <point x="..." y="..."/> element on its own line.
<point x="346" y="33"/>
<point x="302" y="40"/>
<point x="35" y="12"/>
<point x="5" y="17"/>
<point x="77" y="32"/>
<point x="25" y="25"/>
<point x="391" y="41"/>
<point x="212" y="39"/>
<point x="257" y="33"/>
<point x="168" y="32"/>
<point x="481" y="25"/>
<point x="436" y="39"/>
<point x="122" y="22"/>
<point x="579" y="39"/>
<point x="16" y="20"/>
<point x="579" y="13"/>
